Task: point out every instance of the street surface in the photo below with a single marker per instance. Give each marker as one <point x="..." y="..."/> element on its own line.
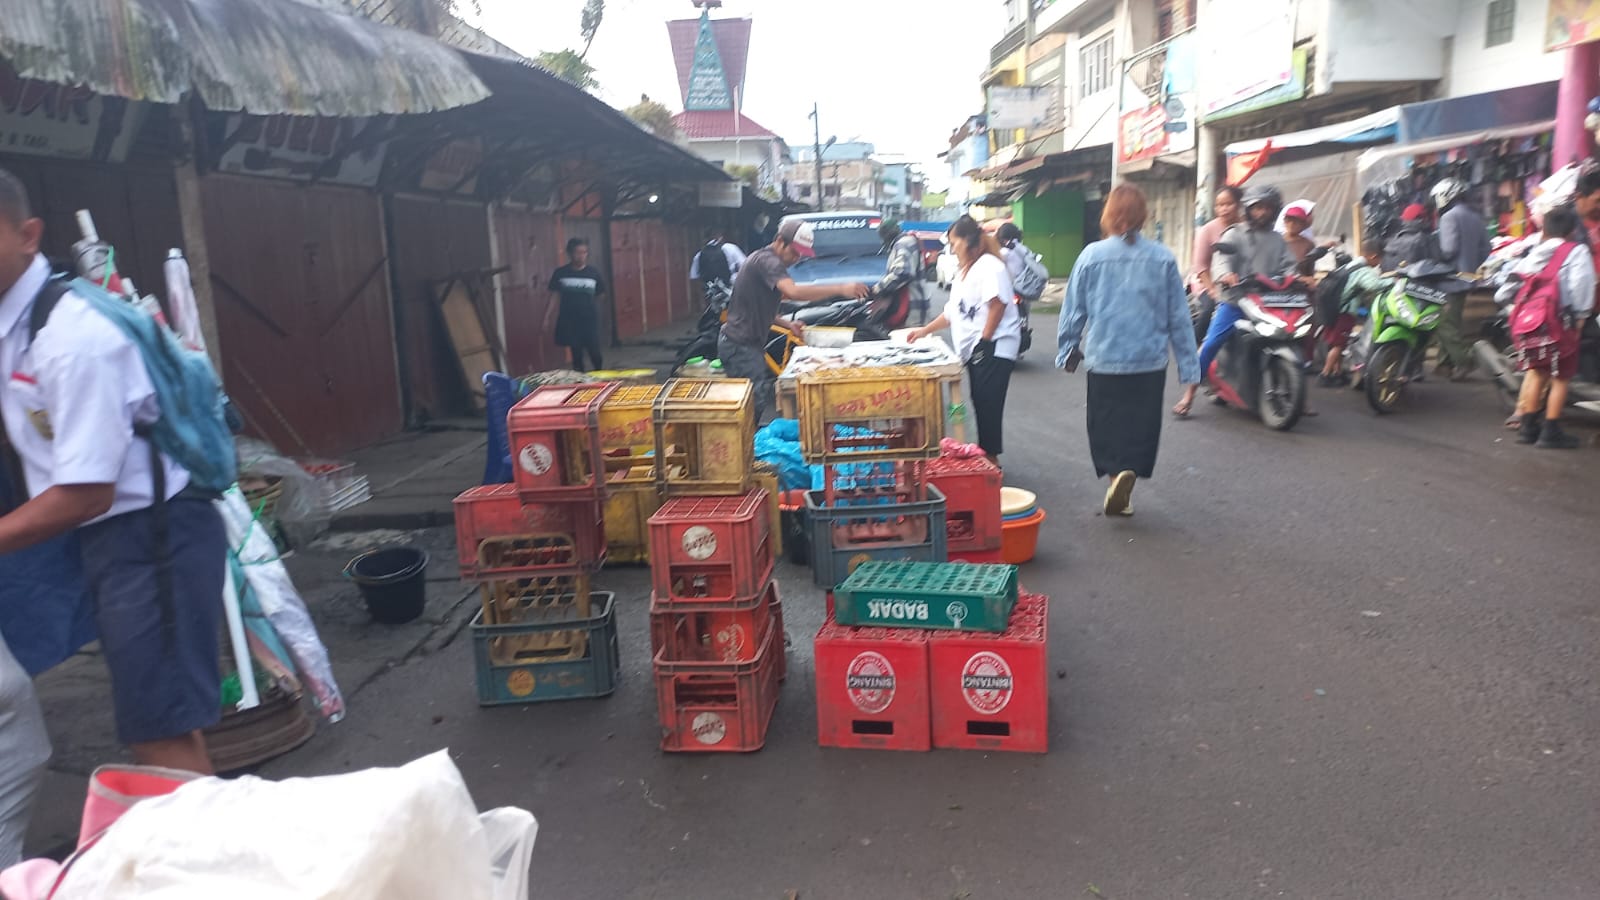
<point x="1353" y="661"/>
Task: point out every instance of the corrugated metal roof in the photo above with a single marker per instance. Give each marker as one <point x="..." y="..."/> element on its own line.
<point x="258" y="56"/>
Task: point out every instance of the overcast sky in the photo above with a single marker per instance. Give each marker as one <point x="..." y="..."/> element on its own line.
<point x="898" y="73"/>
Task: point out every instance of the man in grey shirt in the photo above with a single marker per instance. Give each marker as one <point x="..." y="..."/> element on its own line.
<point x="1463" y="243"/>
<point x="762" y="283"/>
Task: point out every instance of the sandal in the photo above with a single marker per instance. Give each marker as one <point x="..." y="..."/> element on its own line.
<point x="1181" y="411"/>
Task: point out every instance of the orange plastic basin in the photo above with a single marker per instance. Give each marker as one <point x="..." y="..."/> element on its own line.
<point x="1019" y="539"/>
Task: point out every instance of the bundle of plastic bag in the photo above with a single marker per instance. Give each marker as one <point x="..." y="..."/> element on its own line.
<point x="275" y="593"/>
<point x="410" y="833"/>
<point x="778" y="444"/>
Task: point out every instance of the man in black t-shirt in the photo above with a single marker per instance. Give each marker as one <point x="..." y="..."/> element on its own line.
<point x="577" y="315"/>
<point x="763" y="281"/>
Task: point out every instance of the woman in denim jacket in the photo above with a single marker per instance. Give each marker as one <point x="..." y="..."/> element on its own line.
<point x="1125" y="310"/>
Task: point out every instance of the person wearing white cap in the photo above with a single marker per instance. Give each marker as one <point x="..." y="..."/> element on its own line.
<point x="761" y="284"/>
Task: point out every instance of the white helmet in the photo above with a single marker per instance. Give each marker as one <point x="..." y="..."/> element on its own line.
<point x="1446" y="192"/>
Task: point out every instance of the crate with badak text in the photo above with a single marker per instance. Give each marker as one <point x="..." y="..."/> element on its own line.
<point x="936" y="595"/>
<point x="991" y="691"/>
<point x="558" y="654"/>
<point x="499" y="535"/>
<point x="872" y="688"/>
<point x="867" y="414"/>
<point x="714" y="632"/>
<point x="971" y="489"/>
<point x="628" y="435"/>
<point x="706" y="549"/>
<point x="705" y="436"/>
<point x="555" y="444"/>
<point x="719" y="707"/>
<point x="849" y="533"/>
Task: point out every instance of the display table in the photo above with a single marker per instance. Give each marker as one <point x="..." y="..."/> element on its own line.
<point x="931" y="353"/>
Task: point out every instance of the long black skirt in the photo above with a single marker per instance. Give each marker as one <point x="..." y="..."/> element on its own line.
<point x="1125" y="422"/>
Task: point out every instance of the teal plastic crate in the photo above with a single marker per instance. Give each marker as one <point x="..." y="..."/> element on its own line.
<point x="945" y="596"/>
<point x="851" y="532"/>
<point x="553" y="655"/>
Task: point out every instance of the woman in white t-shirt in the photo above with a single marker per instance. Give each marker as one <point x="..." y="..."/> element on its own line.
<point x="985" y="326"/>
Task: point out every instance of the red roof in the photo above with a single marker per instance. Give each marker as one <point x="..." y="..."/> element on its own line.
<point x="718" y="123"/>
<point x="733" y="46"/>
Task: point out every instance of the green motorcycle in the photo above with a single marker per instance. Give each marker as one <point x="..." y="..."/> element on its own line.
<point x="1392" y="350"/>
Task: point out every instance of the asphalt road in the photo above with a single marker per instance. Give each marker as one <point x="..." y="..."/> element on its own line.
<point x="1353" y="661"/>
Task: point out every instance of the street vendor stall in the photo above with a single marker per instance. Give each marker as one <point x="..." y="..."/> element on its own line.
<point x="932" y="354"/>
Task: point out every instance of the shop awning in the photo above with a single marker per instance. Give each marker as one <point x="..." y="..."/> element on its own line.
<point x="1432" y="119"/>
<point x="1386" y="163"/>
<point x="258" y="56"/>
<point x="1379" y="126"/>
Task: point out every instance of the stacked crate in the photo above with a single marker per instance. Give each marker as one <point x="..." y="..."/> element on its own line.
<point x="716" y="620"/>
<point x="873" y="431"/>
<point x="917" y="656"/>
<point x="533" y="546"/>
<point x="971" y="489"/>
<point x="633" y="490"/>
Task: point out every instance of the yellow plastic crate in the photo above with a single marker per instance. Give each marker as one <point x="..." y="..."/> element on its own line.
<point x="627" y="431"/>
<point x="705" y="436"/>
<point x="629" y="507"/>
<point x="765" y="476"/>
<point x="868" y="414"/>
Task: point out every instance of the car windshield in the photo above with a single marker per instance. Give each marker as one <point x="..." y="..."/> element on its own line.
<point x="850" y="236"/>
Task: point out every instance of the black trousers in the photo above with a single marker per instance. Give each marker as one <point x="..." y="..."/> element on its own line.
<point x="990" y="380"/>
<point x="590" y="347"/>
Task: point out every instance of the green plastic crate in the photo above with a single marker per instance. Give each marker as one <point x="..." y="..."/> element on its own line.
<point x="590" y="672"/>
<point x="946" y="596"/>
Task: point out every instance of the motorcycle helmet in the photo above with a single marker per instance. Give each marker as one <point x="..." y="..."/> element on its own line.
<point x="1446" y="192"/>
<point x="1264" y="193"/>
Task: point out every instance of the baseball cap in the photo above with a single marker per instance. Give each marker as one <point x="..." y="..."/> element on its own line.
<point x="1413" y="212"/>
<point x="800" y="235"/>
<point x="1297" y="211"/>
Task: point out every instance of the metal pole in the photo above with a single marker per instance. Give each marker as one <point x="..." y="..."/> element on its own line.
<point x="816" y="136"/>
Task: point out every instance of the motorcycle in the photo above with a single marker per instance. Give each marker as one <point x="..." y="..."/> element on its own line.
<point x="1393" y="346"/>
<point x="873" y="317"/>
<point x="1262" y="368"/>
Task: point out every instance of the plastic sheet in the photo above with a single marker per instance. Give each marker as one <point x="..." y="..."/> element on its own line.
<point x="302" y="511"/>
<point x="275" y="592"/>
<point x="778" y="444"/>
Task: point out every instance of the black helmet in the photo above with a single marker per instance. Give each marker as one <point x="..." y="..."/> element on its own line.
<point x="1264" y="193"/>
<point x="1007" y="233"/>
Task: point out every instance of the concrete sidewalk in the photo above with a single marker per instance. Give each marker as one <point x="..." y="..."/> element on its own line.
<point x="414" y="477"/>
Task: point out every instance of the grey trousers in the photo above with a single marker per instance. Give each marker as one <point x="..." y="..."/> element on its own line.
<point x="742" y="361"/>
<point x="24" y="749"/>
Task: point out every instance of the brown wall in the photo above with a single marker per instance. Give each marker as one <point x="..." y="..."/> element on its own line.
<point x="302" y="295"/>
<point x="436" y="239"/>
<point x="650" y="267"/>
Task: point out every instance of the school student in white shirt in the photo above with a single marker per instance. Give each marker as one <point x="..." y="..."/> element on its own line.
<point x="154" y="550"/>
<point x="985" y="326"/>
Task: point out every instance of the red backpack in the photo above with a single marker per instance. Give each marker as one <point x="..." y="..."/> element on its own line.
<point x="1536" y="316"/>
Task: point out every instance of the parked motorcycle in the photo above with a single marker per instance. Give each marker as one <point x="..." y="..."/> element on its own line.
<point x="1392" y="349"/>
<point x="1262" y="369"/>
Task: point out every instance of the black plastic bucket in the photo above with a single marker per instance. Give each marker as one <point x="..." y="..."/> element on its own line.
<point x="796" y="537"/>
<point x="393" y="583"/>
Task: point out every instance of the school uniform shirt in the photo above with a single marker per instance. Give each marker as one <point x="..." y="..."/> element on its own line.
<point x="71" y="399"/>
<point x="968" y="308"/>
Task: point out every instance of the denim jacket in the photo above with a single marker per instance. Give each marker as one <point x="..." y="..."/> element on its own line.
<point x="1124" y="308"/>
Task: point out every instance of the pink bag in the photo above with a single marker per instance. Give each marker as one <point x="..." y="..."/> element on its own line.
<point x="113" y="790"/>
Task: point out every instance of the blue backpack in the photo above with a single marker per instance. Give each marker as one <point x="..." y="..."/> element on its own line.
<point x="193" y="428"/>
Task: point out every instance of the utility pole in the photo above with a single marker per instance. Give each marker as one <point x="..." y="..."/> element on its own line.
<point x="816" y="146"/>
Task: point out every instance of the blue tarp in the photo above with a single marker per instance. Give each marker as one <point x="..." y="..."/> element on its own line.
<point x="1478" y="112"/>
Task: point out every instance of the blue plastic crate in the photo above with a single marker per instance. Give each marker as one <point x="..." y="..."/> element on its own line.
<point x="877" y="530"/>
<point x="591" y="672"/>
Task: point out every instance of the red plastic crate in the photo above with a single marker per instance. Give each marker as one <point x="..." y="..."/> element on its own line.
<point x="555" y="442"/>
<point x="712" y="632"/>
<point x="498" y="535"/>
<point x="872" y="688"/>
<point x="971" y="489"/>
<point x="711" y="549"/>
<point x="718" y="707"/>
<point x="862" y="482"/>
<point x="991" y="691"/>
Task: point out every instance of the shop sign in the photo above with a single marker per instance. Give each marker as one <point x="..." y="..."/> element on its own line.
<point x="1571" y="22"/>
<point x="305" y="148"/>
<point x="42" y="118"/>
<point x="1287" y="93"/>
<point x="1143" y="134"/>
<point x="1230" y="76"/>
<point x="1023" y="107"/>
